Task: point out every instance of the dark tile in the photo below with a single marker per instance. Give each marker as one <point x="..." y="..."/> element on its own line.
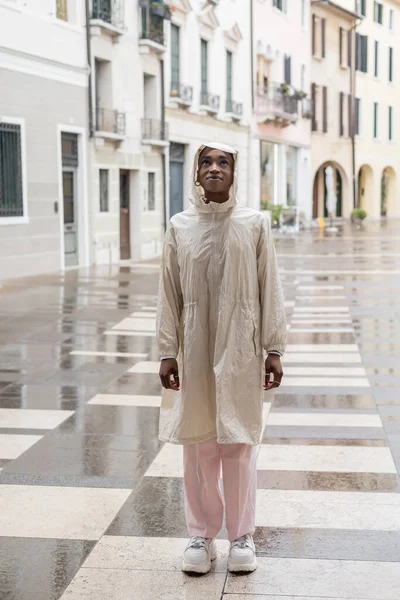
<point x="138" y="421"/>
<point x="329" y="544"/>
<point x="39" y="568"/>
<point x="311" y="480"/>
<point x="364" y="433"/>
<point x="322" y="401"/>
<point x="135" y="383"/>
<point x="323" y="441"/>
<point x="65" y="397"/>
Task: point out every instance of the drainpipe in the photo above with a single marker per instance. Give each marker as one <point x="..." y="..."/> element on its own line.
<point x="89" y="61"/>
<point x="165" y="154"/>
<point x="353" y="111"/>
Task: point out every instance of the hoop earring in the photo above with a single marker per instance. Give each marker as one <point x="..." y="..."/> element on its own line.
<point x="197" y="183"/>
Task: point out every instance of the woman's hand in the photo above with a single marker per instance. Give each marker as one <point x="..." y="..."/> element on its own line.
<point x="169" y="374"/>
<point x="273" y="365"/>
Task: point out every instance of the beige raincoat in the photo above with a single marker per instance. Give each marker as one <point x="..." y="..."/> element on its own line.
<point x="220" y="305"/>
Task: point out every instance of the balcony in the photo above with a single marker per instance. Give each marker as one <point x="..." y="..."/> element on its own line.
<point x="277" y="106"/>
<point x="181" y="94"/>
<point x="209" y="103"/>
<point x="152" y="38"/>
<point x="307" y="108"/>
<point x="155" y="132"/>
<point x="110" y="124"/>
<point x="234" y="110"/>
<point x="107" y="17"/>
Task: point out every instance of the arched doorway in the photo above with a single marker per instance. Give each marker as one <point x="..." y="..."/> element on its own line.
<point x="365" y="188"/>
<point x="388" y="192"/>
<point x="320" y="192"/>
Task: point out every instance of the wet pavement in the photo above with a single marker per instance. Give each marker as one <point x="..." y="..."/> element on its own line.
<point x="91" y="503"/>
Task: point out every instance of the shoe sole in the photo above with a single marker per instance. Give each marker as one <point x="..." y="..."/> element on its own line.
<point x="242" y="568"/>
<point x="201" y="569"/>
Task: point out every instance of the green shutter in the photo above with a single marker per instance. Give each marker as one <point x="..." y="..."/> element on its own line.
<point x="11" y="199"/>
<point x="175" y="59"/>
<point x="204" y="71"/>
<point x="229" y="60"/>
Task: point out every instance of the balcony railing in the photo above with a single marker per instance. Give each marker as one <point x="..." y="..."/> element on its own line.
<point x="307" y="108"/>
<point x="275" y="105"/>
<point x="209" y="102"/>
<point x="110" y="121"/>
<point x="155" y="130"/>
<point x="234" y="108"/>
<point x="154" y="13"/>
<point x="181" y="93"/>
<point x="109" y="11"/>
<point x="154" y="34"/>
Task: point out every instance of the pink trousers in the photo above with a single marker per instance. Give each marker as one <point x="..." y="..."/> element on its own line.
<point x="204" y="507"/>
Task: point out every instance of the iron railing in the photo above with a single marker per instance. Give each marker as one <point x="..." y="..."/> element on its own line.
<point x="109" y="11"/>
<point x="234" y="108"/>
<point x="110" y="121"/>
<point x="11" y="196"/>
<point x="307" y="108"/>
<point x="210" y="101"/>
<point x="182" y="93"/>
<point x="275" y="101"/>
<point x="155" y="129"/>
<point x="154" y="34"/>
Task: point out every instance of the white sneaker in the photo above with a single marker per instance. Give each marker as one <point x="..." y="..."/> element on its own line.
<point x="242" y="555"/>
<point x="198" y="555"/>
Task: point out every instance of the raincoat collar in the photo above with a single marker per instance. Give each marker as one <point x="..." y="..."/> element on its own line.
<point x="196" y="195"/>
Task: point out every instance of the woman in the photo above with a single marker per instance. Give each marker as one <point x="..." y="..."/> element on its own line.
<point x="220" y="306"/>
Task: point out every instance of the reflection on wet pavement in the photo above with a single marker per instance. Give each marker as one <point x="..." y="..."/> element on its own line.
<point x="79" y="448"/>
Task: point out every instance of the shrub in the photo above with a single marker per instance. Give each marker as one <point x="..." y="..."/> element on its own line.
<point x="359" y="213"/>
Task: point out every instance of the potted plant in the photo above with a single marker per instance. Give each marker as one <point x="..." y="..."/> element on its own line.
<point x="300" y="95"/>
<point x="358" y="215"/>
<point x="285" y="89"/>
<point x="160" y="9"/>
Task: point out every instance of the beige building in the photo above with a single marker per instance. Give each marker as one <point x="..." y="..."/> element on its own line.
<point x="332" y="77"/>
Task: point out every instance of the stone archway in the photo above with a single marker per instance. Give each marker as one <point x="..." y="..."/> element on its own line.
<point x="365" y="189"/>
<point x="320" y="191"/>
<point x="388" y="206"/>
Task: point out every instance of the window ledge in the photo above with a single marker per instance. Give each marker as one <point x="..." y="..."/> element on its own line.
<point x="208" y="109"/>
<point x="14" y="220"/>
<point x="146" y="46"/>
<point x="108" y="27"/>
<point x="155" y="143"/>
<point x="108" y="135"/>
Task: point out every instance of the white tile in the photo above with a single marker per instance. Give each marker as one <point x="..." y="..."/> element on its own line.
<point x="131" y="333"/>
<point x="125" y="400"/>
<point x="143" y="315"/>
<point x="289" y="303"/>
<point x="312" y="579"/>
<point x="165" y="554"/>
<point x="145" y="367"/>
<point x="149" y="308"/>
<point x="116" y="584"/>
<point x="322" y="348"/>
<point x="167" y="463"/>
<point x="117" y="354"/>
<point x="317" y="297"/>
<point x="315" y="498"/>
<point x="13" y="445"/>
<point x="130" y="324"/>
<point x="321" y="357"/>
<point x="58" y="512"/>
<point x="325" y="371"/>
<point x="327" y="321"/>
<point x="325" y="459"/>
<point x="321" y="309"/>
<point x="24" y="418"/>
<point x="324" y="382"/>
<point x="324" y="420"/>
<point x="320" y="287"/>
<point x="321" y="330"/>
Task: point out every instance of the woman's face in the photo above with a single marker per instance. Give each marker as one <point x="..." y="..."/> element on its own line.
<point x="215" y="171"/>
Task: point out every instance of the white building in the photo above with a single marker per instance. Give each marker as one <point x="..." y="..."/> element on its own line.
<point x="208" y="87"/>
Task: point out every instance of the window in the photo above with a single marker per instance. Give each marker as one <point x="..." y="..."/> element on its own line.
<point x="378" y="12"/>
<point x="151" y="191"/>
<point x="265" y="84"/>
<point x="229" y="60"/>
<point x="375" y="120"/>
<point x="376" y="62"/>
<point x="175" y="60"/>
<point x="62" y="10"/>
<point x="390" y="123"/>
<point x="362" y="53"/>
<point x="341" y="115"/>
<point x="280" y="5"/>
<point x="391" y="19"/>
<point x="11" y="191"/>
<point x="361" y="7"/>
<point x="103" y="186"/>
<point x="344" y="49"/>
<point x="325" y="109"/>
<point x="318" y="37"/>
<point x="204" y="72"/>
<point x="314" y="124"/>
<point x="391" y="65"/>
<point x="357" y="111"/>
<point x="288" y="69"/>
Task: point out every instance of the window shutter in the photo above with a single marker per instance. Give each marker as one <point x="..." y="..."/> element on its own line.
<point x="390" y="64"/>
<point x="323" y="28"/>
<point x="349" y="48"/>
<point x="341" y="123"/>
<point x="325" y="109"/>
<point x="350" y="115"/>
<point x="365" y="53"/>
<point x="340" y="46"/>
<point x="314" y="107"/>
<point x="313" y="36"/>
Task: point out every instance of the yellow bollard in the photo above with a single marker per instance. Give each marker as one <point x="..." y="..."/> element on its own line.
<point x="321" y="224"/>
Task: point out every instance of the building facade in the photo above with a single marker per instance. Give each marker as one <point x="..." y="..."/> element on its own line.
<point x="281" y="122"/>
<point x="43" y="137"/>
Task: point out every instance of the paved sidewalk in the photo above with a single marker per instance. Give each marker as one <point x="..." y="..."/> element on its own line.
<point x="91" y="503"/>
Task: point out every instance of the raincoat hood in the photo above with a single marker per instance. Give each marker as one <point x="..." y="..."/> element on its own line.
<point x="197" y="194"/>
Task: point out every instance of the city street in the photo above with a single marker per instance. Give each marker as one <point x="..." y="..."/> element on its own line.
<point x="91" y="503"/>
